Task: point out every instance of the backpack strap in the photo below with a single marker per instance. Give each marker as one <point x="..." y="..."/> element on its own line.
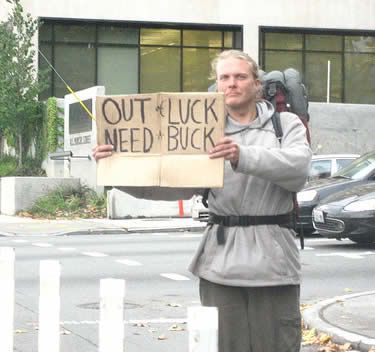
<point x="279" y="134"/>
<point x="205" y="197"/>
<point x="277" y="125"/>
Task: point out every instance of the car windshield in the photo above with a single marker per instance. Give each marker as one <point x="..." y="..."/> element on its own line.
<point x="359" y="168"/>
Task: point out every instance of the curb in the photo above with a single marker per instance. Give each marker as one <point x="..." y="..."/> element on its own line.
<point x="112" y="231"/>
<point x="7" y="234"/>
<point x="94" y="231"/>
<point x="313" y="318"/>
<point x="109" y="231"/>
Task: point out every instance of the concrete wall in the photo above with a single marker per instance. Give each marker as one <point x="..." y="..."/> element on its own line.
<point x="342" y="128"/>
<point x="19" y="193"/>
<point x="122" y="205"/>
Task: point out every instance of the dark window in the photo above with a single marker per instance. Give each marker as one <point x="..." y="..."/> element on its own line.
<point x="131" y="57"/>
<point x="349" y="58"/>
<point x="78" y="121"/>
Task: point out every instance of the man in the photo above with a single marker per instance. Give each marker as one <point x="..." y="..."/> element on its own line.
<point x="248" y="260"/>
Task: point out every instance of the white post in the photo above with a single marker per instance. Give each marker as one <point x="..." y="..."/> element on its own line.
<point x="203" y="323"/>
<point x="111" y="324"/>
<point x="6" y="298"/>
<point x="49" y="306"/>
<point x="328" y="80"/>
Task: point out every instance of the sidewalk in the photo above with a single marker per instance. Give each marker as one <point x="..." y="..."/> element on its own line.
<point x="349" y="318"/>
<point x="13" y="226"/>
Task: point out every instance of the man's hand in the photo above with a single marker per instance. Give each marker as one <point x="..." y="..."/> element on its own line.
<point x="102" y="151"/>
<point x="227" y="149"/>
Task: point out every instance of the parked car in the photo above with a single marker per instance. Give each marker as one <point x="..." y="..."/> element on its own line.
<point x="348" y="214"/>
<point x="359" y="171"/>
<point x="325" y="165"/>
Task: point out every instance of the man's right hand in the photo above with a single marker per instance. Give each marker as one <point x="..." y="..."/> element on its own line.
<point x="102" y="151"/>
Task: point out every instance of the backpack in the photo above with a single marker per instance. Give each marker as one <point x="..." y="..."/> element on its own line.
<point x="286" y="92"/>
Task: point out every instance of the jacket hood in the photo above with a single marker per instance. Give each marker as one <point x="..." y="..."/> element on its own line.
<point x="265" y="111"/>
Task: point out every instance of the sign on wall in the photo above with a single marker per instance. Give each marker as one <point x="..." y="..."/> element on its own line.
<point x="160" y="139"/>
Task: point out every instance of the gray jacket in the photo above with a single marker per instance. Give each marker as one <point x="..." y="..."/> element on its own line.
<point x="263" y="182"/>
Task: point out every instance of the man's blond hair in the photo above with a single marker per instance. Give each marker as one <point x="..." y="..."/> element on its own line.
<point x="236" y="54"/>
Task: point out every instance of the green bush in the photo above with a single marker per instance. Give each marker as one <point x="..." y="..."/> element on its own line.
<point x="55" y="125"/>
<point x="68" y="202"/>
<point x="30" y="167"/>
<point x="8" y="165"/>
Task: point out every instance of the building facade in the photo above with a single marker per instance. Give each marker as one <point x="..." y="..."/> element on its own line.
<point x="162" y="45"/>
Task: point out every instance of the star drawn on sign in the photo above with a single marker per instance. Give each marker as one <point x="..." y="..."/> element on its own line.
<point x="160" y="108"/>
<point x="359" y="255"/>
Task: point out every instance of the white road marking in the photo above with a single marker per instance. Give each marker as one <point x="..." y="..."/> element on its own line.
<point x="20" y="241"/>
<point x="179" y="235"/>
<point x="187" y="235"/>
<point x="359" y="255"/>
<point x="67" y="249"/>
<point x="307" y="248"/>
<point x="95" y="254"/>
<point x="174" y="276"/>
<point x="42" y="244"/>
<point x="129" y="322"/>
<point x="128" y="262"/>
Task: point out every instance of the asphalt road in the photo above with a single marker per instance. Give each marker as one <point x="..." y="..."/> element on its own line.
<point x="158" y="287"/>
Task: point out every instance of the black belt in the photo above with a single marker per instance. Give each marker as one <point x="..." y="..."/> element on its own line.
<point x="283" y="220"/>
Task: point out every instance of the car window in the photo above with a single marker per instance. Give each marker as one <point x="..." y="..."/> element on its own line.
<point x="358" y="168"/>
<point x="342" y="163"/>
<point x="320" y="168"/>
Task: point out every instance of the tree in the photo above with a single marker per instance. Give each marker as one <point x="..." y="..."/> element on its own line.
<point x="21" y="114"/>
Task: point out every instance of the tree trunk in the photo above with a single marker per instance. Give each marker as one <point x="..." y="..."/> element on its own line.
<point x="20" y="147"/>
<point x="1" y="145"/>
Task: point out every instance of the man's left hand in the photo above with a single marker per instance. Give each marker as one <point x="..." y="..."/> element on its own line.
<point x="227" y="149"/>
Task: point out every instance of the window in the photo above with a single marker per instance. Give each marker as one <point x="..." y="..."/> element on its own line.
<point x="130" y="58"/>
<point x="160" y="69"/>
<point x="348" y="56"/>
<point x="341" y="163"/>
<point x="76" y="64"/>
<point x="118" y="69"/>
<point x="320" y="168"/>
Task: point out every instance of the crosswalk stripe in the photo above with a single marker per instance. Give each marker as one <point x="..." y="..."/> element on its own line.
<point x="42" y="244"/>
<point x="95" y="254"/>
<point x="128" y="262"/>
<point x="174" y="276"/>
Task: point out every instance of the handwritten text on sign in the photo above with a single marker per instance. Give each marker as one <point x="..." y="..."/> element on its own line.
<point x="166" y="123"/>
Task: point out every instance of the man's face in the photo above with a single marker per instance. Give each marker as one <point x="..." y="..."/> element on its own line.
<point x="236" y="81"/>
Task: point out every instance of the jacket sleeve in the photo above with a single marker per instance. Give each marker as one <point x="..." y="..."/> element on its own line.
<point x="161" y="193"/>
<point x="287" y="165"/>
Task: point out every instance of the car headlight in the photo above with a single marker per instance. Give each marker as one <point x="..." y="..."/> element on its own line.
<point x="361" y="205"/>
<point x="306" y="196"/>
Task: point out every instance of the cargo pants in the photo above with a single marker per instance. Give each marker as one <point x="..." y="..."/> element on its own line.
<point x="255" y="319"/>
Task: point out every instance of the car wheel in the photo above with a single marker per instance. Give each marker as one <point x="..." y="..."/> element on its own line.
<point x="362" y="240"/>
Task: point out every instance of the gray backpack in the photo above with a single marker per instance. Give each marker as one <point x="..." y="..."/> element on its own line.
<point x="286" y="92"/>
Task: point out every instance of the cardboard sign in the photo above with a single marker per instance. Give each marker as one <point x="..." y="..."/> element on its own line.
<point x="160" y="139"/>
